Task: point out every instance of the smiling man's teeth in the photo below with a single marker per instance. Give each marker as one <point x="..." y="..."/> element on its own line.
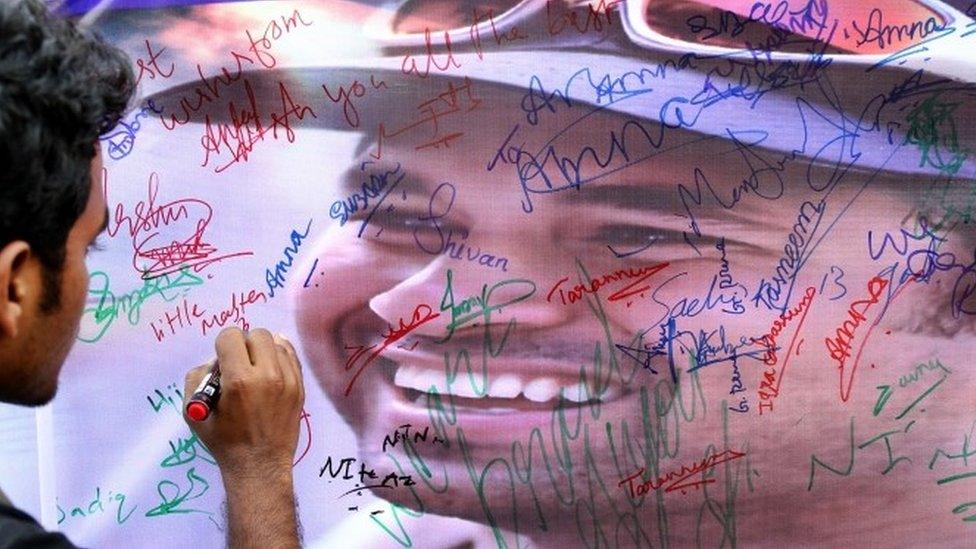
<point x="541" y="390"/>
<point x="505" y="386"/>
<point x="417" y="378"/>
<point x="462" y="388"/>
<point x="404" y="377"/>
<point x="576" y="393"/>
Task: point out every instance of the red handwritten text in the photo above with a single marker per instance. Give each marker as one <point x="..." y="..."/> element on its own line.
<point x="151" y="66"/>
<point x="234" y="313"/>
<point x="482" y="22"/>
<point x="770" y="383"/>
<point x="594" y="17"/>
<point x="247" y="128"/>
<point x="159" y="241"/>
<point x="639" y="277"/>
<point x="346" y="95"/>
<point x="457" y="99"/>
<point x="840" y="345"/>
<point x="409" y="64"/>
<point x="680" y="479"/>
<point x="210" y="90"/>
<point x="422" y="314"/>
<point x="513" y="34"/>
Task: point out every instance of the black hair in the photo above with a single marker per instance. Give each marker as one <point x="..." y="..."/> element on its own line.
<point x="60" y="88"/>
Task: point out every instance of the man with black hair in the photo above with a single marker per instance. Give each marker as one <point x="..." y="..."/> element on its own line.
<point x="60" y="88"/>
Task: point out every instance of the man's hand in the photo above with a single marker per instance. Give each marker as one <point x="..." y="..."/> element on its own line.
<point x="253" y="434"/>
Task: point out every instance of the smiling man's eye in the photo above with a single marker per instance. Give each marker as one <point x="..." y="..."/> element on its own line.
<point x="626" y="240"/>
<point x="410" y="221"/>
<point x="632" y="235"/>
<point x="398" y="220"/>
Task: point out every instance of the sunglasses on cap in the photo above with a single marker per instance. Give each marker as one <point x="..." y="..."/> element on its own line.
<point x="778" y="30"/>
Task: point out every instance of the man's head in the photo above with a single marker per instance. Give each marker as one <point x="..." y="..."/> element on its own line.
<point x="581" y="289"/>
<point x="431" y="232"/>
<point x="60" y="88"/>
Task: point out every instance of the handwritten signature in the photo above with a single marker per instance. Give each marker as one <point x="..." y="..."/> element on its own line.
<point x="422" y="314"/>
<point x="173" y="496"/>
<point x="185" y="451"/>
<point x="152" y="255"/>
<point x="480" y="306"/>
<point x="634" y="288"/>
<point x="680" y="479"/>
<point x="108" y="307"/>
<point x="247" y="128"/>
<point x="121" y="142"/>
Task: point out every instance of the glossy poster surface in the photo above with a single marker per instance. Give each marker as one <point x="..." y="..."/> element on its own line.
<point x="586" y="274"/>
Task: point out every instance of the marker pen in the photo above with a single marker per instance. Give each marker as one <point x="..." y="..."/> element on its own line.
<point x="204" y="399"/>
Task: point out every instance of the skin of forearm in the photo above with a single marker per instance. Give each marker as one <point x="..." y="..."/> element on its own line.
<point x="261" y="513"/>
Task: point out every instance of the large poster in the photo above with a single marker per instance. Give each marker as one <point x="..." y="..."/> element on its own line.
<point x="648" y="273"/>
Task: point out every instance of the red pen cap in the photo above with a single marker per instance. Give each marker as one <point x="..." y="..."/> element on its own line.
<point x="197" y="411"/>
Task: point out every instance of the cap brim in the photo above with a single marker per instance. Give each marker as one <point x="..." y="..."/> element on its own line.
<point x="826" y="110"/>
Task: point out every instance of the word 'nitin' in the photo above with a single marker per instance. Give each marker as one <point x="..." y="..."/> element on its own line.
<point x="365" y="474"/>
<point x="404" y="434"/>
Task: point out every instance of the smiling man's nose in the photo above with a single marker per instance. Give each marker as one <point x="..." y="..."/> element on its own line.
<point x="459" y="289"/>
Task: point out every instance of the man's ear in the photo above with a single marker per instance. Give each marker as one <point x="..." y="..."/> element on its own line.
<point x="15" y="286"/>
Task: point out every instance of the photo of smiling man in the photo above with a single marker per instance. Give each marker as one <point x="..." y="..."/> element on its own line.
<point x="683" y="275"/>
<point x="601" y="274"/>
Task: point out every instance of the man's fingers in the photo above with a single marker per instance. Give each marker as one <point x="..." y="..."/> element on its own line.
<point x="261" y="348"/>
<point x="286" y="343"/>
<point x="192" y="381"/>
<point x="232" y="351"/>
<point x="287" y="373"/>
<point x="289" y="348"/>
<point x="290" y="364"/>
<point x="285" y="358"/>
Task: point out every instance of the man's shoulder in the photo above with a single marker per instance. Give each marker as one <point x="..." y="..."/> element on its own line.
<point x="18" y="529"/>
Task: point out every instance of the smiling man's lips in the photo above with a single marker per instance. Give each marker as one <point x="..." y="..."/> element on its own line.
<point x="503" y="387"/>
<point x="513" y="384"/>
<point x="527" y="375"/>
